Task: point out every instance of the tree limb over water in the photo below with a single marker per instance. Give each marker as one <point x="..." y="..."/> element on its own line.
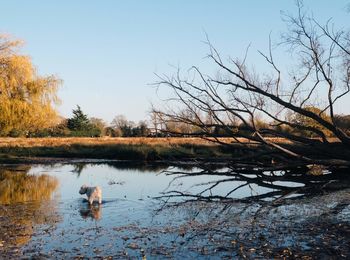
<point x="298" y="103"/>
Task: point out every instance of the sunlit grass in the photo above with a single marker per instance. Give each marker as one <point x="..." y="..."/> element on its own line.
<point x="58" y="141"/>
<point x="109" y="148"/>
<point x="133" y="148"/>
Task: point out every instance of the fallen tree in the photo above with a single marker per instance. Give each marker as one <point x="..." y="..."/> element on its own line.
<point x="301" y="98"/>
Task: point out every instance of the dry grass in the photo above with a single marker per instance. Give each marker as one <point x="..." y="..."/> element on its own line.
<point x="140" y="149"/>
<point x="35" y="142"/>
<point x="143" y="149"/>
<point x="66" y="141"/>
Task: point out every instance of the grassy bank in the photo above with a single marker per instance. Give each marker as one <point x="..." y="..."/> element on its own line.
<point x="145" y="149"/>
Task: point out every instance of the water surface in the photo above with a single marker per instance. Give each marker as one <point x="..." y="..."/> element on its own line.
<point x="44" y="215"/>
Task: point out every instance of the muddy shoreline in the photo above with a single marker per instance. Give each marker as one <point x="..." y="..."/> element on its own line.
<point x="253" y="233"/>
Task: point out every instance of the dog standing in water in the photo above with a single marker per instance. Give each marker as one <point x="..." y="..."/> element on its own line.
<point x="92" y="193"/>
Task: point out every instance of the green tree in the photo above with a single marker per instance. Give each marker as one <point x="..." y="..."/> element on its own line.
<point x="80" y="125"/>
<point x="27" y="100"/>
<point x="79" y="121"/>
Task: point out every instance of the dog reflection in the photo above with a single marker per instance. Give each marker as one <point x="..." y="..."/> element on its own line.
<point x="91" y="211"/>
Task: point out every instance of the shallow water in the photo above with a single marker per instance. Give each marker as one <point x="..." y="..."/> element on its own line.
<point x="57" y="221"/>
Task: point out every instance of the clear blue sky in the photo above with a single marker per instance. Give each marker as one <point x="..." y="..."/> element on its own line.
<point x="107" y="52"/>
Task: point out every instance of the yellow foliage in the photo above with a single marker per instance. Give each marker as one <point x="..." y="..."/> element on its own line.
<point x="21" y="187"/>
<point x="27" y="100"/>
<point x="25" y="201"/>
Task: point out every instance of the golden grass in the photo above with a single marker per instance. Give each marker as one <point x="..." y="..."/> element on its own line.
<point x="35" y="142"/>
<point x="132" y="148"/>
<point x="66" y="141"/>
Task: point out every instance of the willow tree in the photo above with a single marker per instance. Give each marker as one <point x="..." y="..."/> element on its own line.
<point x="318" y="77"/>
<point x="27" y="100"/>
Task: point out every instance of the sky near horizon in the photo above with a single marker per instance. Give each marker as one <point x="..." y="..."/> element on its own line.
<point x="108" y="52"/>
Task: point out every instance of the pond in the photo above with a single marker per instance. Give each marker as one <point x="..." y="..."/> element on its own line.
<point x="43" y="215"/>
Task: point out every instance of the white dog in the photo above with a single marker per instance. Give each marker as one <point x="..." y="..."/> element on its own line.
<point x="93" y="193"/>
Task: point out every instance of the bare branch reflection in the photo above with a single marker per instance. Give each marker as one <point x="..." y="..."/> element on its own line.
<point x="245" y="184"/>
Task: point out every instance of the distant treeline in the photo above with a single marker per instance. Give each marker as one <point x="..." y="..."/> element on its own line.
<point x="80" y="125"/>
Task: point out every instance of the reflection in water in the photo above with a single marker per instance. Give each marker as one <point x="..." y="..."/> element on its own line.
<point x="24" y="202"/>
<point x="217" y="213"/>
<point x="78" y="168"/>
<point x="158" y="166"/>
<point x="247" y="185"/>
<point x="17" y="186"/>
<point x="138" y="166"/>
<point x="91" y="211"/>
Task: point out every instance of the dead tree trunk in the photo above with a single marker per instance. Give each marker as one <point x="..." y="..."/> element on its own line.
<point x="237" y="100"/>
